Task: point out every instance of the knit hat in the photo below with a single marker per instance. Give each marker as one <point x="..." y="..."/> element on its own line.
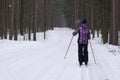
<point x="84" y="21"/>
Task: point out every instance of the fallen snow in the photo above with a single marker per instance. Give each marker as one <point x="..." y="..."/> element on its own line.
<point x="44" y="59"/>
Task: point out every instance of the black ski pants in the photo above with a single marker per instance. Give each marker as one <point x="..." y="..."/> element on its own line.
<point x="82" y="53"/>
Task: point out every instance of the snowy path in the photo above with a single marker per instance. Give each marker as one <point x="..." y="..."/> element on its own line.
<point x="44" y="60"/>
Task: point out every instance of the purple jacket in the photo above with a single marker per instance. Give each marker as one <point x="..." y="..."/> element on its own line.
<point x="84" y="34"/>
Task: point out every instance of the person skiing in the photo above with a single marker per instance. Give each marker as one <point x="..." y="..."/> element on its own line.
<point x="84" y="36"/>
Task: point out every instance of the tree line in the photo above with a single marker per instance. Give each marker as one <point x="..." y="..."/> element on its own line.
<point x="28" y="17"/>
<point x="32" y="16"/>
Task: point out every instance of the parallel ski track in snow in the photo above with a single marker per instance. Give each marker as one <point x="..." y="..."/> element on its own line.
<point x="85" y="73"/>
<point x="99" y="68"/>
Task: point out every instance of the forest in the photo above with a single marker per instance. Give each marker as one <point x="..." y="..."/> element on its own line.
<point x="20" y="17"/>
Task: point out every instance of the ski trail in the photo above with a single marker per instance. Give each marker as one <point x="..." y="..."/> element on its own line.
<point x="97" y="72"/>
<point x="71" y="71"/>
<point x="85" y="73"/>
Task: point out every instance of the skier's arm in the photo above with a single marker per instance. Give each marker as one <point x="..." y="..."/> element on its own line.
<point x="88" y="35"/>
<point x="75" y="32"/>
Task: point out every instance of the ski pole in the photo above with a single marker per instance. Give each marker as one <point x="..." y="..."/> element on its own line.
<point x="68" y="48"/>
<point x="93" y="53"/>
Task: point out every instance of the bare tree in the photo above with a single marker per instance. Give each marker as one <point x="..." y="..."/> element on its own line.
<point x="114" y="23"/>
<point x="35" y="14"/>
<point x="11" y="5"/>
<point x="44" y="23"/>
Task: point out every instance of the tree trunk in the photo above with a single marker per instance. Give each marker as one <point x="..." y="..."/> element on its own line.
<point x="115" y="30"/>
<point x="12" y="19"/>
<point x="44" y="24"/>
<point x="35" y="19"/>
<point x="16" y="18"/>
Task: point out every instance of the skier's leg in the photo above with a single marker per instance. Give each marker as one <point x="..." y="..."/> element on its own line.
<point x="86" y="54"/>
<point x="80" y="53"/>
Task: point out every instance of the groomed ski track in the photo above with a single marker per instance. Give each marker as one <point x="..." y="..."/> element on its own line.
<point x="44" y="60"/>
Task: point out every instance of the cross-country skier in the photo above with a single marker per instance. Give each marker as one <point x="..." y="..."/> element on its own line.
<point x="84" y="36"/>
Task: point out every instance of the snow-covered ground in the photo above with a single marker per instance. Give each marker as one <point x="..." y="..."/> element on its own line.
<point x="44" y="59"/>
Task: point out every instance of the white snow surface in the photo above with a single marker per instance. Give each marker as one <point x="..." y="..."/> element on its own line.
<point x="44" y="59"/>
